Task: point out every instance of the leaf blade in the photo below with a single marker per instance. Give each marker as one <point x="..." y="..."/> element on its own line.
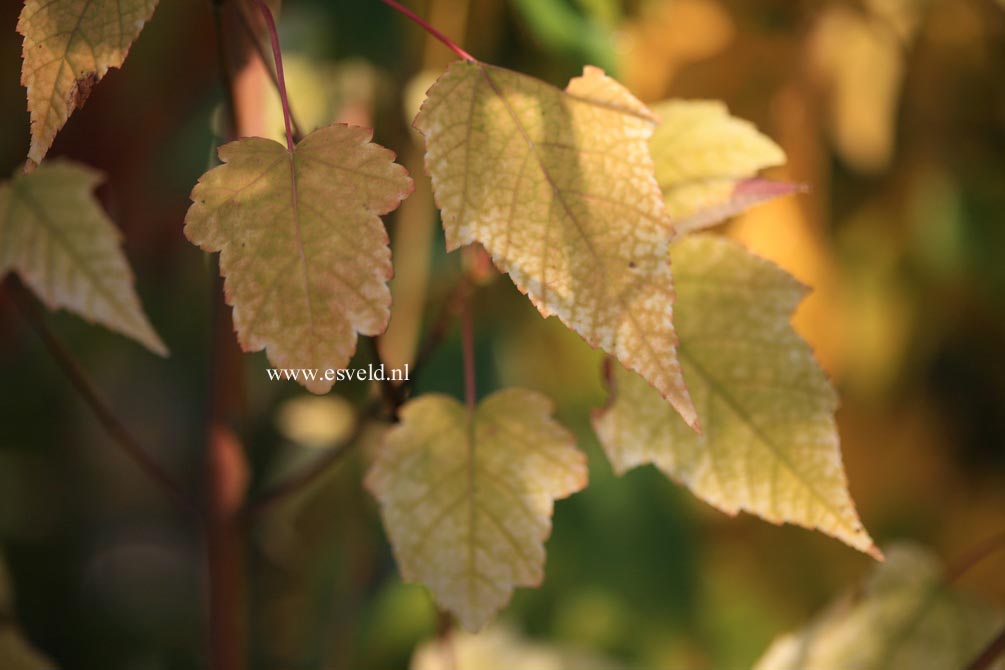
<point x="482" y="524"/>
<point x="558" y="186"/>
<point x="304" y="253"/>
<point x="771" y="446"/>
<point x="68" y="47"/>
<point x="55" y="235"/>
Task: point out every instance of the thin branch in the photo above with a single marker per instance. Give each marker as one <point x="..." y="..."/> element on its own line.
<point x="468" y="346"/>
<point x="270" y="67"/>
<point x="450" y="44"/>
<point x="303" y="479"/>
<point x="976" y="555"/>
<point x="277" y="55"/>
<point x="990" y="654"/>
<point x="78" y="379"/>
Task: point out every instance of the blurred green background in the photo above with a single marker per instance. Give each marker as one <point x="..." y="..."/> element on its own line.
<point x="892" y="111"/>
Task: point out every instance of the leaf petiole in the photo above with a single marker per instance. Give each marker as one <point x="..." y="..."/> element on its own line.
<point x="450" y="44"/>
<point x="277" y="54"/>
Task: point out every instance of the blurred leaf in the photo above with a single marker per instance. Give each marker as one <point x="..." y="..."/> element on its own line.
<point x="770" y="445"/>
<point x="15" y="652"/>
<point x="558" y="186"/>
<point x="562" y="29"/>
<point x="56" y="237"/>
<point x="667" y="35"/>
<point x="68" y="47"/>
<point x="860" y="61"/>
<point x="304" y="254"/>
<point x="317" y="423"/>
<point x="705" y="160"/>
<point x="467" y="496"/>
<point x="903" y="618"/>
<point x="499" y="648"/>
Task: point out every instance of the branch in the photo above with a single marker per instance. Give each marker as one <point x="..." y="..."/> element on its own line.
<point x="269" y="65"/>
<point x="78" y="379"/>
<point x="977" y="554"/>
<point x="277" y="55"/>
<point x="431" y="30"/>
<point x="314" y="471"/>
<point x="990" y="654"/>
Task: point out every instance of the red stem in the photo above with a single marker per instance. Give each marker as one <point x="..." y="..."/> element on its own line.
<point x="429" y="29"/>
<point x="277" y="54"/>
<point x="990" y="653"/>
<point x="468" y="345"/>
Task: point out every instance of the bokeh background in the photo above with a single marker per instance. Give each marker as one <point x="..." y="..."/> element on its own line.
<point x="891" y="111"/>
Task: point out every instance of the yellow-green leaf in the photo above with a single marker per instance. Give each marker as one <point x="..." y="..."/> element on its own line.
<point x="68" y="47"/>
<point x="303" y="251"/>
<point x="467" y="496"/>
<point x="706" y="160"/>
<point x="56" y="237"/>
<point x="903" y="618"/>
<point x="770" y="444"/>
<point x="558" y="186"/>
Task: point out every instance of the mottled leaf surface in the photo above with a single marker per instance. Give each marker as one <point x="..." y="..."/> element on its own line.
<point x="770" y="444"/>
<point x="56" y="237"/>
<point x="706" y="161"/>
<point x="558" y="186"/>
<point x="302" y="248"/>
<point x="467" y="496"/>
<point x="68" y="47"/>
<point x="903" y="618"/>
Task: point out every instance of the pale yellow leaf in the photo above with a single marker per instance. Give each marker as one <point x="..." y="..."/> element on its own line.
<point x="316" y="422"/>
<point x="56" y="237"/>
<point x="558" y="187"/>
<point x="770" y="445"/>
<point x="705" y="160"/>
<point x="68" y="47"/>
<point x="467" y="496"/>
<point x="303" y="251"/>
<point x="500" y="648"/>
<point x="903" y="618"/>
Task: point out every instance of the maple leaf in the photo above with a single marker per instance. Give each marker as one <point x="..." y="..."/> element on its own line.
<point x="68" y="47"/>
<point x="558" y="187"/>
<point x="903" y="618"/>
<point x="706" y="161"/>
<point x="770" y="445"/>
<point x="56" y="237"/>
<point x="303" y="251"/>
<point x="467" y="496"/>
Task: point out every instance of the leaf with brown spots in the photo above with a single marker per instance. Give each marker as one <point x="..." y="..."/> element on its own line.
<point x="68" y="47"/>
<point x="302" y="248"/>
<point x="558" y="187"/>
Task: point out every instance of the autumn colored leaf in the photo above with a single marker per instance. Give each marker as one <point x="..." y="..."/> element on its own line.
<point x="303" y="251"/>
<point x="706" y="162"/>
<point x="56" y="237"/>
<point x="558" y="187"/>
<point x="903" y="618"/>
<point x="68" y="47"/>
<point x="467" y="495"/>
<point x="770" y="444"/>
